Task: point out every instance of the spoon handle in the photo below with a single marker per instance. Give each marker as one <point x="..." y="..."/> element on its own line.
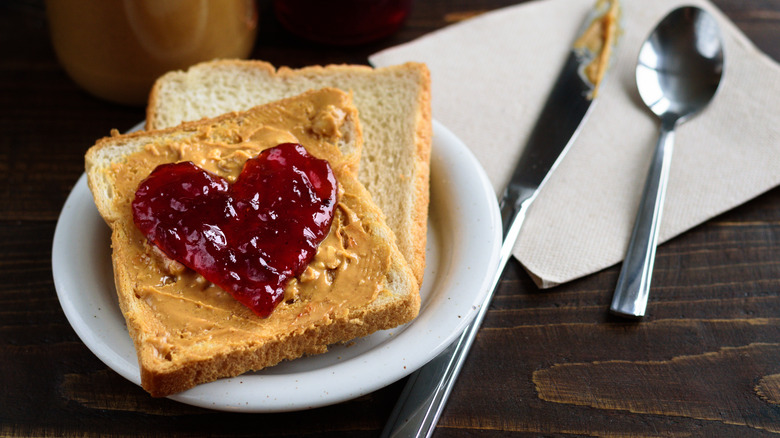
<point x="633" y="286"/>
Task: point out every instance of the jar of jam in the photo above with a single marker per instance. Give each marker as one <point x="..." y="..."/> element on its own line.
<point x="342" y="22"/>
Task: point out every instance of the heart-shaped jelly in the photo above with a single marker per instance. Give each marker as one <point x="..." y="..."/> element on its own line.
<point x="249" y="237"/>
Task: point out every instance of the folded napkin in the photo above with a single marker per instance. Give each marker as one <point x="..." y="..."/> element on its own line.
<point x="492" y="73"/>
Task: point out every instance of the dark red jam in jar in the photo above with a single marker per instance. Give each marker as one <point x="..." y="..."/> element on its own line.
<point x="342" y="22"/>
<point x="249" y="237"/>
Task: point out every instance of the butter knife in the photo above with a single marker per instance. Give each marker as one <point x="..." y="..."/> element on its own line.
<point x="563" y="115"/>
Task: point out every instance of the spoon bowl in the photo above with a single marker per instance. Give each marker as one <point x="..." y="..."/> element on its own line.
<point x="681" y="64"/>
<point x="679" y="70"/>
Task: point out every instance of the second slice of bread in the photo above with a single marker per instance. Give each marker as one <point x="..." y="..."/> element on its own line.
<point x="187" y="331"/>
<point x="394" y="109"/>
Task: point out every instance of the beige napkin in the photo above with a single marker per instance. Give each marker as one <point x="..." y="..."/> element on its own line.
<point x="491" y="74"/>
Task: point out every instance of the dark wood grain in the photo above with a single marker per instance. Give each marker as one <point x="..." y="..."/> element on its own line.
<point x="704" y="362"/>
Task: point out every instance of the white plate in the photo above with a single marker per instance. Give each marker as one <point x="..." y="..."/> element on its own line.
<point x="464" y="237"/>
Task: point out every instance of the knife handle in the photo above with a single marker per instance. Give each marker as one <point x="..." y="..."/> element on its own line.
<point x="633" y="286"/>
<point x="423" y="398"/>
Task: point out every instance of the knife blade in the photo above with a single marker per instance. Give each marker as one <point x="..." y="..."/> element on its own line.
<point x="564" y="113"/>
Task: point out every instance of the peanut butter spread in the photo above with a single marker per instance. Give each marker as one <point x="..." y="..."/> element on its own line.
<point x="598" y="39"/>
<point x="192" y="318"/>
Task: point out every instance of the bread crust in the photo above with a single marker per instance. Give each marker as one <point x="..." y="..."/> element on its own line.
<point x="402" y="191"/>
<point x="397" y="302"/>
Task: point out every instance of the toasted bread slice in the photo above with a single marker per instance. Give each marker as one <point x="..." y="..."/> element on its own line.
<point x="186" y="330"/>
<point x="395" y="115"/>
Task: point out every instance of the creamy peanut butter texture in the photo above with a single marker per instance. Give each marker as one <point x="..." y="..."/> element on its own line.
<point x="192" y="318"/>
<point x="598" y="39"/>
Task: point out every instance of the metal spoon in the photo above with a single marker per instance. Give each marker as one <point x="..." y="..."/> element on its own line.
<point x="678" y="71"/>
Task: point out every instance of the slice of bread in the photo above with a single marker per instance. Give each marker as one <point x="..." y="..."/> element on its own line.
<point x="187" y="331"/>
<point x="395" y="115"/>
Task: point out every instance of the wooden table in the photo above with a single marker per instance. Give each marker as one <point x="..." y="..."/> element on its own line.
<point x="704" y="362"/>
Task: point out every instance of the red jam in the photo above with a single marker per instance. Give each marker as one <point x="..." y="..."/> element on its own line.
<point x="248" y="238"/>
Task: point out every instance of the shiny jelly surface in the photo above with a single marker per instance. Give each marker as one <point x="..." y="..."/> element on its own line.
<point x="248" y="237"/>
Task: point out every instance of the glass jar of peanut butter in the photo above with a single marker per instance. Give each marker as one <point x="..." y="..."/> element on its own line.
<point x="116" y="49"/>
